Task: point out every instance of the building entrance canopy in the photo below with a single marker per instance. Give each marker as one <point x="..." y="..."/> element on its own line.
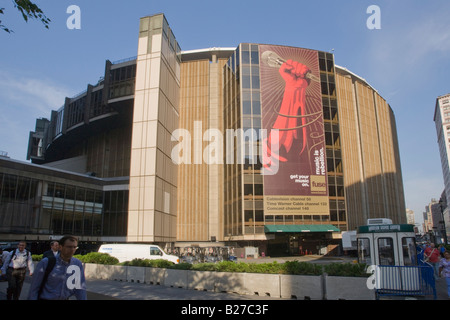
<point x="300" y="228"/>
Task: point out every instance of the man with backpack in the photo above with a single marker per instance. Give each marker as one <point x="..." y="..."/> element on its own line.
<point x="59" y="277"/>
<point x="15" y="266"/>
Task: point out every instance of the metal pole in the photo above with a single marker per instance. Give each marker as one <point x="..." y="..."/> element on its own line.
<point x="443" y="222"/>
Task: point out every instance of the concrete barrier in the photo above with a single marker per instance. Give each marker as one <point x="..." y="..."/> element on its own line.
<point x="264" y="285"/>
<point x="176" y="278"/>
<point x="155" y="276"/>
<point x="201" y="280"/>
<point x="118" y="273"/>
<point x="230" y="282"/>
<point x="301" y="287"/>
<point x="347" y="288"/>
<point x="90" y="270"/>
<point x="274" y="285"/>
<point x="136" y="274"/>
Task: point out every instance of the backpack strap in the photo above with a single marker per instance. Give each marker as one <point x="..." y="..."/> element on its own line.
<point x="50" y="265"/>
<point x="14" y="254"/>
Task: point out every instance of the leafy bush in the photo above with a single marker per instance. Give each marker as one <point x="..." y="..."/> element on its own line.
<point x="37" y="257"/>
<point x="92" y="257"/>
<point x="158" y="263"/>
<point x="229" y="266"/>
<point x="346" y="269"/>
<point x="204" y="267"/>
<point x="289" y="267"/>
<point x="182" y="266"/>
<point x="97" y="257"/>
<point x="304" y="268"/>
<point x="271" y="268"/>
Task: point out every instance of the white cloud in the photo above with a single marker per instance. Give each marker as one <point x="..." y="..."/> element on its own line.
<point x="30" y="93"/>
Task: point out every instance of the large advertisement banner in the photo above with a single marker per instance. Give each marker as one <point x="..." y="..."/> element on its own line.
<point x="291" y="104"/>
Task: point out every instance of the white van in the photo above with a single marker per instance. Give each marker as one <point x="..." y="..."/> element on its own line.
<point x="128" y="252"/>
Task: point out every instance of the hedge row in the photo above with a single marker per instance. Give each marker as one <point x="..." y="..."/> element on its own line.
<point x="92" y="257"/>
<point x="289" y="267"/>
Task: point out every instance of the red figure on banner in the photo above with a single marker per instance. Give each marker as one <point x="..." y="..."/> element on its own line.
<point x="292" y="109"/>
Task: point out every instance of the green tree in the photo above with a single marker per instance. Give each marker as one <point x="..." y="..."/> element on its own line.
<point x="29" y="10"/>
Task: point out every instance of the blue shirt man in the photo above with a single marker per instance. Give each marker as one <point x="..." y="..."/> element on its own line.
<point x="66" y="278"/>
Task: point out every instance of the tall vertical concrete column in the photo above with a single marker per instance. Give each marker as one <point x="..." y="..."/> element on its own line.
<point x="153" y="175"/>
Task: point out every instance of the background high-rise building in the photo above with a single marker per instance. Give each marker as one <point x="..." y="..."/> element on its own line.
<point x="442" y="122"/>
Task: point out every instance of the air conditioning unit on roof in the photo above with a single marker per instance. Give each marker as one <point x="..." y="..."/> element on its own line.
<point x="379" y="221"/>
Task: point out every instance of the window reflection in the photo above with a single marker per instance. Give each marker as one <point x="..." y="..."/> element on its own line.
<point x="409" y="251"/>
<point x="364" y="251"/>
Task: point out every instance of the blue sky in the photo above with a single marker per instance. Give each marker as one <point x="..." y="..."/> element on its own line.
<point x="407" y="60"/>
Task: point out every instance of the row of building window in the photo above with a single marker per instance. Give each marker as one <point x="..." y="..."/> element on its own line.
<point x="35" y="206"/>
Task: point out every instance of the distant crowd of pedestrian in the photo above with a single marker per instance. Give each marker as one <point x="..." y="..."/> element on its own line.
<point x="439" y="259"/>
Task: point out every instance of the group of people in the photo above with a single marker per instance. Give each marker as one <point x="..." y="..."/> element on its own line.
<point x="58" y="276"/>
<point x="439" y="259"/>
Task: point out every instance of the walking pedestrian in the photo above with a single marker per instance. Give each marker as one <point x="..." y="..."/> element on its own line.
<point x="54" y="250"/>
<point x="432" y="257"/>
<point x="59" y="277"/>
<point x="441" y="250"/>
<point x="15" y="267"/>
<point x="444" y="270"/>
<point x="3" y="255"/>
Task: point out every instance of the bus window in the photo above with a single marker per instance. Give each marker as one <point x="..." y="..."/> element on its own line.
<point x="364" y="251"/>
<point x="409" y="251"/>
<point x="386" y="251"/>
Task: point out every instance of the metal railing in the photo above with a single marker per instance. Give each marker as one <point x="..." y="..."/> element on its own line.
<point x="405" y="281"/>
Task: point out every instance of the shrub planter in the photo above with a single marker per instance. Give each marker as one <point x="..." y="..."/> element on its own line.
<point x="301" y="287"/>
<point x="264" y="285"/>
<point x="136" y="274"/>
<point x="230" y="282"/>
<point x="201" y="280"/>
<point x="176" y="278"/>
<point x="90" y="270"/>
<point x="155" y="276"/>
<point x="273" y="285"/>
<point x="118" y="273"/>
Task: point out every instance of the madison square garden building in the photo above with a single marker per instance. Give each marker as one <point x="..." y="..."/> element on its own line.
<point x="265" y="146"/>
